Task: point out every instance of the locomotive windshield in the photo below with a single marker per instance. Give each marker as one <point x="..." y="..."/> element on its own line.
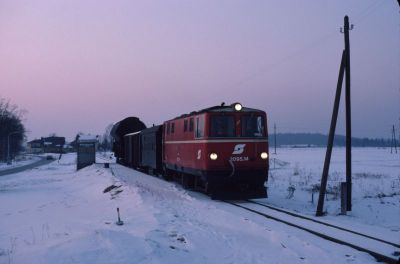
<point x="253" y="126"/>
<point x="222" y="126"/>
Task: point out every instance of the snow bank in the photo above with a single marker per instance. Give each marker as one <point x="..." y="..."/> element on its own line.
<point x="54" y="214"/>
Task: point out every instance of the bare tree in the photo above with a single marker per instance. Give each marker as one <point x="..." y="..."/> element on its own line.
<point x="106" y="139"/>
<point x="12" y="130"/>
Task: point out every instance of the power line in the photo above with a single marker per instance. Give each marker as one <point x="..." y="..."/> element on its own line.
<point x="317" y="42"/>
<point x="368" y="11"/>
<point x="286" y="58"/>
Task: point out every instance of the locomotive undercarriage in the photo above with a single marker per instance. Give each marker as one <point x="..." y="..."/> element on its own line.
<point x="243" y="184"/>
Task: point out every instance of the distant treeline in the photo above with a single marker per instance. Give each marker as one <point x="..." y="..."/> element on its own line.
<point x="320" y="140"/>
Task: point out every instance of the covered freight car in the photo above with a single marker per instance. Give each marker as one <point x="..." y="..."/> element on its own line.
<point x="143" y="149"/>
<point x="151" y="143"/>
<point x="123" y="127"/>
<point x="132" y="150"/>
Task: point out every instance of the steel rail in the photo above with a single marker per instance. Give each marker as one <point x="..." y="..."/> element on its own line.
<point x="376" y="255"/>
<point x="324" y="223"/>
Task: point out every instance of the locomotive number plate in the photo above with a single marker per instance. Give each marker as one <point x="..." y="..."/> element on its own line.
<point x="239" y="159"/>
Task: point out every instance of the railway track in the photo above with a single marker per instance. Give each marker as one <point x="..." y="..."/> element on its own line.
<point x="382" y="250"/>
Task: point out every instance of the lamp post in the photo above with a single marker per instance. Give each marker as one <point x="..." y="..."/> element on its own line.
<point x="8" y="145"/>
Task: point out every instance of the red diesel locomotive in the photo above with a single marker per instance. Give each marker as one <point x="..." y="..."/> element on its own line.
<point x="222" y="150"/>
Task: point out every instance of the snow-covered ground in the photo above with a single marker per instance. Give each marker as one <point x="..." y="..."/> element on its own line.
<point x="376" y="186"/>
<point x="19" y="161"/>
<point x="105" y="157"/>
<point x="54" y="214"/>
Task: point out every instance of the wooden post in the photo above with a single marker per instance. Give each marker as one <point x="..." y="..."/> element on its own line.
<point x="343" y="198"/>
<point x="275" y="137"/>
<point x="332" y="129"/>
<point x="394" y="137"/>
<point x="393" y="143"/>
<point x="348" y="112"/>
<point x="344" y="66"/>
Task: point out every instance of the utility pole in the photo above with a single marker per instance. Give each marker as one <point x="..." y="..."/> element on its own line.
<point x="344" y="69"/>
<point x="331" y="136"/>
<point x="275" y="137"/>
<point x="348" y="112"/>
<point x="393" y="143"/>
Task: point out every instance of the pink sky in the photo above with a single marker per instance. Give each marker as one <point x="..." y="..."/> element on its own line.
<point x="81" y="65"/>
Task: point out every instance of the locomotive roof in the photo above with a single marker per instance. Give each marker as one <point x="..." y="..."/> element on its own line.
<point x="218" y="108"/>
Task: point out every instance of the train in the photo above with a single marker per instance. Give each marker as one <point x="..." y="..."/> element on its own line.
<point x="221" y="150"/>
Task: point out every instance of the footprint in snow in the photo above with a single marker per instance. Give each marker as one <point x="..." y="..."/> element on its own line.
<point x="173" y="234"/>
<point x="181" y="239"/>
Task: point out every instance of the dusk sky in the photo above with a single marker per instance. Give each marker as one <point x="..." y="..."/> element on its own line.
<point x="81" y="65"/>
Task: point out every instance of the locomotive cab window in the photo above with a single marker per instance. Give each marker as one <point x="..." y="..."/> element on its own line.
<point x="191" y="124"/>
<point x="253" y="126"/>
<point x="185" y="125"/>
<point x="172" y="127"/>
<point x="168" y="128"/>
<point x="199" y="126"/>
<point x="222" y="126"/>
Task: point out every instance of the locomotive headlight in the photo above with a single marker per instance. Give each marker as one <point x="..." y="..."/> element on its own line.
<point x="238" y="107"/>
<point x="213" y="156"/>
<point x="264" y="155"/>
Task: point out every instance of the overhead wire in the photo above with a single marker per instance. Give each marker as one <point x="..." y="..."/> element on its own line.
<point x="315" y="43"/>
<point x="369" y="10"/>
<point x="286" y="58"/>
<point x="273" y="66"/>
<point x="358" y="18"/>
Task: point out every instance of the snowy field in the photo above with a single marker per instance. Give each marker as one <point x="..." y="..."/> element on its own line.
<point x="54" y="214"/>
<point x="376" y="185"/>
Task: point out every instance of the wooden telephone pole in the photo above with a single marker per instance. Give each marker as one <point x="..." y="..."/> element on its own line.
<point x="393" y="143"/>
<point x="275" y="137"/>
<point x="344" y="70"/>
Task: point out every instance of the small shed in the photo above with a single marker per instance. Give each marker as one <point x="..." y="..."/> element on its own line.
<point x="86" y="150"/>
